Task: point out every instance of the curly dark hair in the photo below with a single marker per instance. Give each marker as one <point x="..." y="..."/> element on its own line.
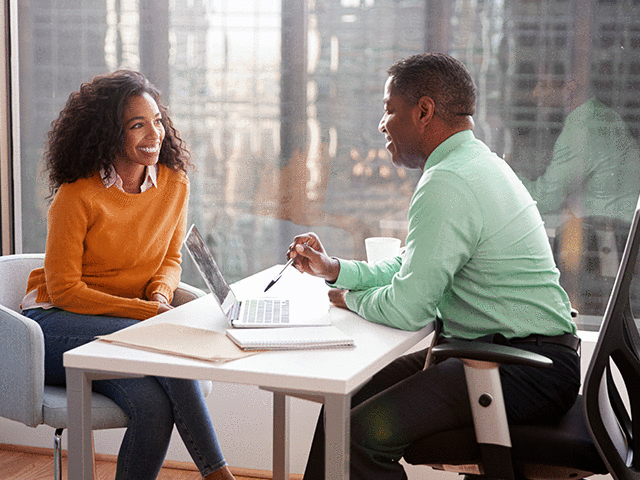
<point x="89" y="132"/>
<point x="438" y="76"/>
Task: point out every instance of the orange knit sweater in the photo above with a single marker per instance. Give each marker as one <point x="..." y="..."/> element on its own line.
<point x="109" y="251"/>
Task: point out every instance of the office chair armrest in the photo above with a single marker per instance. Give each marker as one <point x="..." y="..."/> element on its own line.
<point x="185" y="293"/>
<point x="489" y="352"/>
<point x="481" y="368"/>
<point x="21" y="368"/>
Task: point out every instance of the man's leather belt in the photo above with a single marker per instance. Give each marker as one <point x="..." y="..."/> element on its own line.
<point x="568" y="340"/>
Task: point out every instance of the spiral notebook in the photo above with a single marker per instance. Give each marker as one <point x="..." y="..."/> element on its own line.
<point x="290" y="338"/>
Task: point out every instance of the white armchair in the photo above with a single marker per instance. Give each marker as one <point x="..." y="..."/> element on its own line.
<point x="25" y="398"/>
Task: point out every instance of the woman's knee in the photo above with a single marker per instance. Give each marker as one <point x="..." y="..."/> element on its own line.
<point x="142" y="399"/>
<point x="180" y="386"/>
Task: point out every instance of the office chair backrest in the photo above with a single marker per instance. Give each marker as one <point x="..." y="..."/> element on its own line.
<point x="14" y="271"/>
<point x="615" y="422"/>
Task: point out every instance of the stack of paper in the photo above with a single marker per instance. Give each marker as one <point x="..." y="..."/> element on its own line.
<point x="178" y="340"/>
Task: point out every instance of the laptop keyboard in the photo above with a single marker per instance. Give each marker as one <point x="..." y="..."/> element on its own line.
<point x="265" y="311"/>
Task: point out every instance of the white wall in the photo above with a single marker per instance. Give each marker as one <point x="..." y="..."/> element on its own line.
<point x="242" y="416"/>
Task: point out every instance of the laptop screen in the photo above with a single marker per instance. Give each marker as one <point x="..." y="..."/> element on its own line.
<point x="207" y="266"/>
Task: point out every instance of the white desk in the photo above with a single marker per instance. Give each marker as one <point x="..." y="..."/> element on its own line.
<point x="329" y="376"/>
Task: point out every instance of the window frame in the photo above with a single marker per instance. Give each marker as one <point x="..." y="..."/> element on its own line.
<point x="10" y="191"/>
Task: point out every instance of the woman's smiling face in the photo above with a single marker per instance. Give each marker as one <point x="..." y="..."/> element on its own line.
<point x="143" y="131"/>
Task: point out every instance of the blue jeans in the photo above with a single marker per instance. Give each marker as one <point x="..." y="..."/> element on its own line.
<point x="153" y="404"/>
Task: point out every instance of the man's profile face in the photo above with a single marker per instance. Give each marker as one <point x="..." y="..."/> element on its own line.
<point x="400" y="126"/>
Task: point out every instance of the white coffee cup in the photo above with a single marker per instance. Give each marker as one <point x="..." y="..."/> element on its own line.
<point x="380" y="248"/>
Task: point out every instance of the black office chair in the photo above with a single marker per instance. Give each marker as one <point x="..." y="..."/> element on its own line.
<point x="599" y="435"/>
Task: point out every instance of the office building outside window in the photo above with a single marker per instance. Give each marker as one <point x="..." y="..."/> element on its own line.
<point x="279" y="103"/>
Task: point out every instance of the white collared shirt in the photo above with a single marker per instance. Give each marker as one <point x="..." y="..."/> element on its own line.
<point x="111" y="178"/>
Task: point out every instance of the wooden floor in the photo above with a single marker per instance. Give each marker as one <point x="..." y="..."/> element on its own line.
<point x="23" y="463"/>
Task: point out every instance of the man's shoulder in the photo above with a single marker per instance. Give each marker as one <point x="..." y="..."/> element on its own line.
<point x="470" y="158"/>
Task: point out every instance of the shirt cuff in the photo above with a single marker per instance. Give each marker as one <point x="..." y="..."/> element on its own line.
<point x="348" y="275"/>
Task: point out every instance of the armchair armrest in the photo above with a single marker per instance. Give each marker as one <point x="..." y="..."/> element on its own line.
<point x="185" y="293"/>
<point x="21" y="368"/>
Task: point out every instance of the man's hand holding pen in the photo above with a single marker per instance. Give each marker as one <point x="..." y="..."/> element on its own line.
<point x="307" y="255"/>
<point x="310" y="257"/>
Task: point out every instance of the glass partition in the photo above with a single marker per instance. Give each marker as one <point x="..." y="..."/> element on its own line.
<point x="279" y="102"/>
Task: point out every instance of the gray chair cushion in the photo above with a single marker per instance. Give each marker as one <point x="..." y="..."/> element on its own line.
<point x="104" y="412"/>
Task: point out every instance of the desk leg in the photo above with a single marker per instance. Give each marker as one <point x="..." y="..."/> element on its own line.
<point x="281" y="467"/>
<point x="80" y="465"/>
<point x="337" y="409"/>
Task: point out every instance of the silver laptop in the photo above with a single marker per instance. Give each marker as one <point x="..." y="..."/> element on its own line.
<point x="246" y="313"/>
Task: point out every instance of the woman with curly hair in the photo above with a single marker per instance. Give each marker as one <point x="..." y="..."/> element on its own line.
<point x="117" y="171"/>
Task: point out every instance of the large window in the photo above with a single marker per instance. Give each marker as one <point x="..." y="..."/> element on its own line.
<point x="279" y="102"/>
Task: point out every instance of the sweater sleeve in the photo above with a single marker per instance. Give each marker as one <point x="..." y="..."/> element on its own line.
<point x="166" y="279"/>
<point x="68" y="223"/>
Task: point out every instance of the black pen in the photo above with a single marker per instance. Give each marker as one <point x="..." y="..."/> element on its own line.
<point x="272" y="282"/>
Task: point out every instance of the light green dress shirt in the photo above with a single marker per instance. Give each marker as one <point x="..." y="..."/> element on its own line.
<point x="595" y="164"/>
<point x="477" y="255"/>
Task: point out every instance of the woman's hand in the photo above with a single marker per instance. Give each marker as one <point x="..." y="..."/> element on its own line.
<point x="162" y="300"/>
<point x="311" y="257"/>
